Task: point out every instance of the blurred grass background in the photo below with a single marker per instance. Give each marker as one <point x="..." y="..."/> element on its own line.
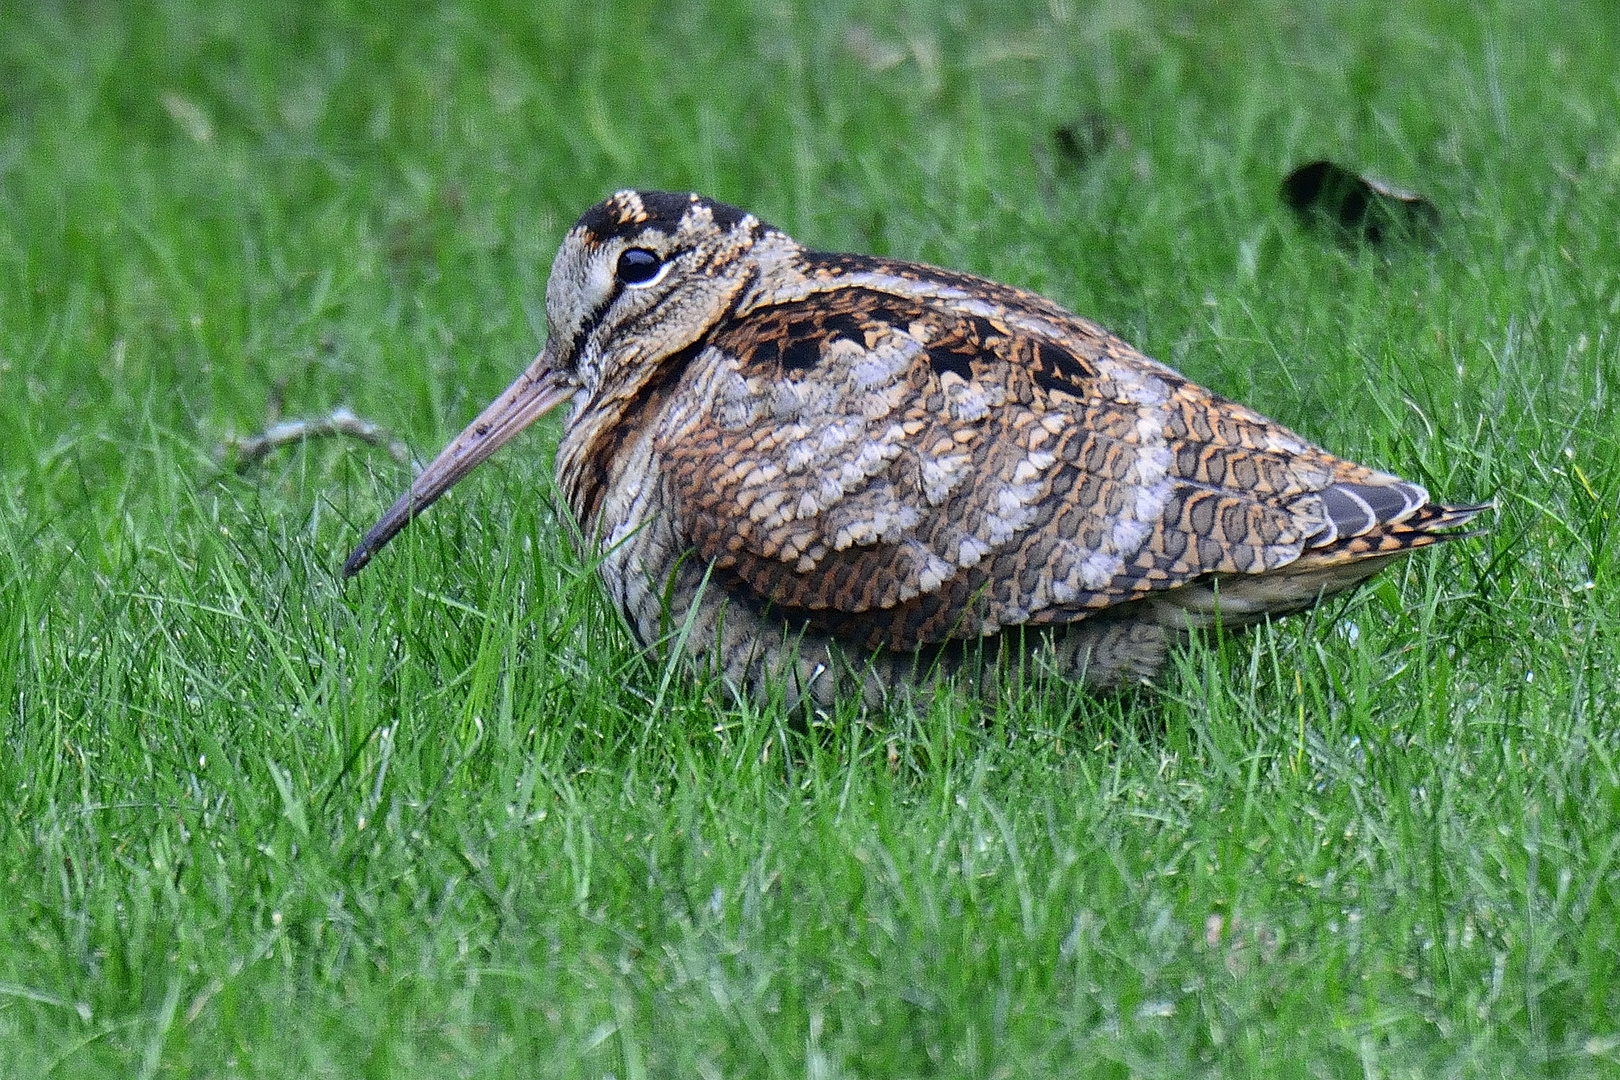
<point x="445" y="821"/>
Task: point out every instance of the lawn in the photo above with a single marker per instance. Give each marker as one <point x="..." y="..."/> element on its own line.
<point x="444" y="820"/>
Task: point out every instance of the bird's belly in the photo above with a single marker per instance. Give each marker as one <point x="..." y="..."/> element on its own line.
<point x="672" y="601"/>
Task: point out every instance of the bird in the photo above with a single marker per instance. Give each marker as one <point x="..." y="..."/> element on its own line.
<point x="840" y="474"/>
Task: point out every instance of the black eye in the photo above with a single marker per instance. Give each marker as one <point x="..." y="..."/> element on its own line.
<point x="637" y="266"/>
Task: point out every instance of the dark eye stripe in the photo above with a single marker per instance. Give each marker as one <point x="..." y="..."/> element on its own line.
<point x="643" y="265"/>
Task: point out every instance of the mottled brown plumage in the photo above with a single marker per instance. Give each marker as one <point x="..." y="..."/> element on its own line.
<point x="845" y="471"/>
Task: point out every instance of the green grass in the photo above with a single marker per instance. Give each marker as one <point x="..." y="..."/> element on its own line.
<point x="444" y="821"/>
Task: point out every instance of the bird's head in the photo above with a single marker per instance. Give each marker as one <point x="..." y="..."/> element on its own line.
<point x="640" y="276"/>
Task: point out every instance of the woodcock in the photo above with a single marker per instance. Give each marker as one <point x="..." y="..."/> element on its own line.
<point x="844" y="471"/>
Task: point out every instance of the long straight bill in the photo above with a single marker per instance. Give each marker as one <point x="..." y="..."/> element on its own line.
<point x="536" y="392"/>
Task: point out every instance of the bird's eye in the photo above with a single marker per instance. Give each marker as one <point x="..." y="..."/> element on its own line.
<point x="638" y="266"/>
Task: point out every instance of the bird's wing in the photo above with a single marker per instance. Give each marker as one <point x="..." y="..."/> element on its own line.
<point x="901" y="471"/>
